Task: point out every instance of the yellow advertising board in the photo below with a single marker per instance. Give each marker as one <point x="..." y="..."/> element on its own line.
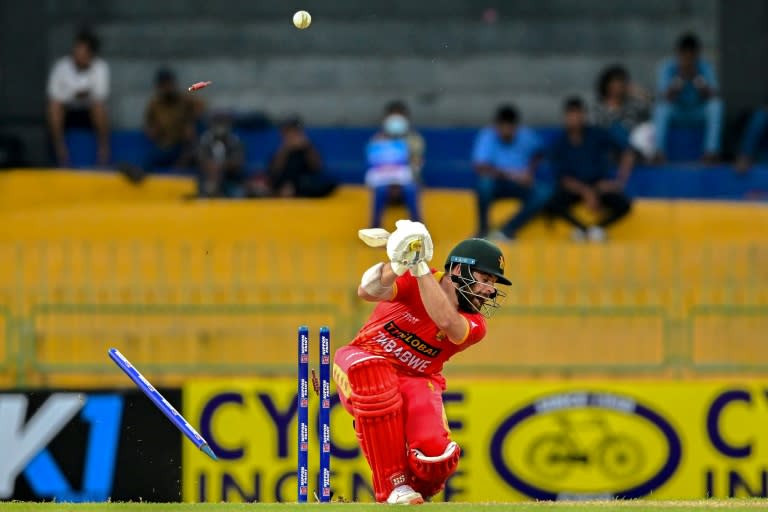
<point x="521" y="440"/>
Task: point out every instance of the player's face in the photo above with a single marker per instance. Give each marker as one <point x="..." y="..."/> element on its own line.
<point x="483" y="289"/>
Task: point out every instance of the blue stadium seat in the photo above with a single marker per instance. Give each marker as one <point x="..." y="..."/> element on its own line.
<point x="685" y="143"/>
<point x="82" y="148"/>
<point x="259" y="146"/>
<point x="448" y="162"/>
<point x="343" y="151"/>
<point x="131" y="147"/>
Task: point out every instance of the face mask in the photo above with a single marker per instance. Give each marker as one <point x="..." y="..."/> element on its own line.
<point x="395" y="125"/>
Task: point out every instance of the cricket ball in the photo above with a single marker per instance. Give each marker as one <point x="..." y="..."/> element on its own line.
<point x="302" y="19"/>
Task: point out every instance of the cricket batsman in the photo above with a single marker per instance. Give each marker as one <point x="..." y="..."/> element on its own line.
<point x="389" y="377"/>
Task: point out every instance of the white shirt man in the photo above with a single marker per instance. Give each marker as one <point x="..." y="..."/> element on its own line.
<point x="78" y="88"/>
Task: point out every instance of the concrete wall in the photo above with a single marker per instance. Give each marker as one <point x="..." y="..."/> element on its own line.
<point x="441" y="56"/>
<point x="744" y="52"/>
<point x="23" y="68"/>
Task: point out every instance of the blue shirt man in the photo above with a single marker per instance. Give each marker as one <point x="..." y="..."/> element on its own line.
<point x="687" y="90"/>
<point x="582" y="158"/>
<point x="690" y="92"/>
<point x="505" y="157"/>
<point x="513" y="156"/>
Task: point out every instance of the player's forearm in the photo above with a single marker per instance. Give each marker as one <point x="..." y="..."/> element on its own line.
<point x="440" y="308"/>
<point x="388" y="276"/>
<point x="377" y="283"/>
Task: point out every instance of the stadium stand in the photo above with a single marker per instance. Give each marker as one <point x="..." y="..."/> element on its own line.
<point x="214" y="287"/>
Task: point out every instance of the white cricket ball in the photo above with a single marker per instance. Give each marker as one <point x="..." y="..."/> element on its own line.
<point x="302" y="19"/>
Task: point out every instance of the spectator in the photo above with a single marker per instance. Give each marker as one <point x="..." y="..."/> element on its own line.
<point x="505" y="158"/>
<point x="416" y="144"/>
<point x="78" y="87"/>
<point x="581" y="158"/>
<point x="390" y="174"/>
<point x="296" y="168"/>
<point x="687" y="94"/>
<point x="222" y="160"/>
<point x="623" y="108"/>
<point x="755" y="135"/>
<point x="169" y="123"/>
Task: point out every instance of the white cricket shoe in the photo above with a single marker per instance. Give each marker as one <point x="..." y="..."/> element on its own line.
<point x="404" y="495"/>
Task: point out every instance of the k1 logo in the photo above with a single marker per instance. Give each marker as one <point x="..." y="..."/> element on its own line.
<point x="24" y="445"/>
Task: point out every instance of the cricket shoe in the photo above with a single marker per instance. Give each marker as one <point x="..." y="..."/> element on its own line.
<point x="404" y="495"/>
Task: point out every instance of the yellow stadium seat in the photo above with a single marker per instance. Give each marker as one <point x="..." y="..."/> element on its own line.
<point x="89" y="261"/>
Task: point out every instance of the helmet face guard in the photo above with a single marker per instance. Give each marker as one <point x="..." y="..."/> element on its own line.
<point x="464" y="282"/>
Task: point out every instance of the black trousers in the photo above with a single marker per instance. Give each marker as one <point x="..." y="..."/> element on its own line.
<point x="615" y="205"/>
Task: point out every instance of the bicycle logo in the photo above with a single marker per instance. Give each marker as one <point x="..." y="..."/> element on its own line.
<point x="554" y="455"/>
<point x="583" y="439"/>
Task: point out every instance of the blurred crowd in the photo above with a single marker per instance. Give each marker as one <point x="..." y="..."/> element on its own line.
<point x="591" y="158"/>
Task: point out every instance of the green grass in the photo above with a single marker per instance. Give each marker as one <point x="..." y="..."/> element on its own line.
<point x="735" y="505"/>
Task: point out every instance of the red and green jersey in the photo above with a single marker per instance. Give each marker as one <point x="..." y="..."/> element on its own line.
<point x="401" y="330"/>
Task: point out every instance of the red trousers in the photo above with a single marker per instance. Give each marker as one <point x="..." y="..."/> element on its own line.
<point x="426" y="426"/>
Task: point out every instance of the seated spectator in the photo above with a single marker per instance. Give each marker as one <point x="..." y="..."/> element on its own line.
<point x="755" y="135"/>
<point x="416" y="144"/>
<point x="78" y="87"/>
<point x="623" y="108"/>
<point x="581" y="158"/>
<point x="505" y="158"/>
<point x="169" y="123"/>
<point x="390" y="174"/>
<point x="221" y="158"/>
<point x="687" y="94"/>
<point x="295" y="170"/>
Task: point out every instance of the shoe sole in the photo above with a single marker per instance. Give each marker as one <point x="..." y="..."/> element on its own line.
<point x="416" y="500"/>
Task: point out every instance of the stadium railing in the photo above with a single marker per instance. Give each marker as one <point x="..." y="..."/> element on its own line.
<point x="231" y="308"/>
